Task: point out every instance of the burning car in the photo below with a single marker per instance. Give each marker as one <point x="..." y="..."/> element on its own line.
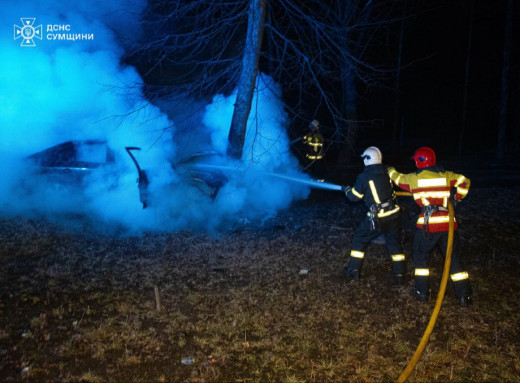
<point x="68" y="164"/>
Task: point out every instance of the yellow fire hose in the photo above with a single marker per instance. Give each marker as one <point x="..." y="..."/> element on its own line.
<point x="440" y="296"/>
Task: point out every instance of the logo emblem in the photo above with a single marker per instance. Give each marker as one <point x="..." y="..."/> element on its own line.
<point x="27" y="32"/>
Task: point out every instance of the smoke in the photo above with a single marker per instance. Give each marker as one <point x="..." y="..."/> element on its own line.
<point x="62" y="90"/>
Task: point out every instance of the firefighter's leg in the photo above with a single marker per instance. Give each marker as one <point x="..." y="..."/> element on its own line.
<point x="392" y="233"/>
<point x="422" y="246"/>
<point x="362" y="237"/>
<point x="355" y="262"/>
<point x="458" y="275"/>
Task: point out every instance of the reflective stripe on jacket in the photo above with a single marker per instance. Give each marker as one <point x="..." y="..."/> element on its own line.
<point x="374" y="187"/>
<point x="314" y="142"/>
<point x="432" y="186"/>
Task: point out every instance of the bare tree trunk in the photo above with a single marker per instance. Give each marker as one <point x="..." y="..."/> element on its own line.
<point x="466" y="81"/>
<point x="502" y="122"/>
<point x="349" y="88"/>
<point x="349" y="102"/>
<point x="246" y="85"/>
<point x="397" y="111"/>
<point x="344" y="135"/>
<point x="516" y="115"/>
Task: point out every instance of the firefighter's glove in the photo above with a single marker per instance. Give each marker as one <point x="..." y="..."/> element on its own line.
<point x="454" y="201"/>
<point x="345" y="189"/>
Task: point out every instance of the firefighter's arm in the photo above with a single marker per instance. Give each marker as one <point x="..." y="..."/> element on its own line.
<point x="354" y="193"/>
<point x="400" y="179"/>
<point x="461" y="185"/>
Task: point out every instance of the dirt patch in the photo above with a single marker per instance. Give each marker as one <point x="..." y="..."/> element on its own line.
<point x="79" y="306"/>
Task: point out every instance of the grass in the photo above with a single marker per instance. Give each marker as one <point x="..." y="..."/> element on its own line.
<point x="78" y="307"/>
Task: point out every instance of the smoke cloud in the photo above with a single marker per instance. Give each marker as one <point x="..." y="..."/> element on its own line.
<point x="62" y="90"/>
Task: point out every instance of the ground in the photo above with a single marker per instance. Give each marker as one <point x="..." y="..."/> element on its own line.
<point x="81" y="306"/>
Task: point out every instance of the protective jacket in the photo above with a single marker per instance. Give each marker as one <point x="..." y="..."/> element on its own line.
<point x="431" y="188"/>
<point x="314" y="145"/>
<point x="374" y="187"/>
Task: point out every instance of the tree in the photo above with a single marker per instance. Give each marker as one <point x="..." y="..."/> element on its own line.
<point x="202" y="47"/>
<point x="246" y="84"/>
<point x="466" y="81"/>
<point x="397" y="111"/>
<point x="502" y="124"/>
<point x="323" y="50"/>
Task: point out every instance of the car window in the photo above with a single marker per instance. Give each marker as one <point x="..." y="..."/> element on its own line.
<point x="92" y="152"/>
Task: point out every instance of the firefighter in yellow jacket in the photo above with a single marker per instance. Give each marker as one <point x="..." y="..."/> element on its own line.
<point x="313" y="142"/>
<point x="432" y="187"/>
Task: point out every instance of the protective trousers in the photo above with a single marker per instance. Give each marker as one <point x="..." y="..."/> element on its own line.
<point x="423" y="245"/>
<point x="391" y="229"/>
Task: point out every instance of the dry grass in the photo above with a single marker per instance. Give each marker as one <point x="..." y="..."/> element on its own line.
<point x="81" y="307"/>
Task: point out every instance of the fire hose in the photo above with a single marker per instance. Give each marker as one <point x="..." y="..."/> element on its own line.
<point x="440" y="297"/>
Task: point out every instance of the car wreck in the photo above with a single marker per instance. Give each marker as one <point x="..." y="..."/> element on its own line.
<point x="67" y="165"/>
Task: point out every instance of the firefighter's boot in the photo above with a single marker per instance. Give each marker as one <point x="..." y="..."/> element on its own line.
<point x="421" y="290"/>
<point x="351" y="274"/>
<point x="421" y="296"/>
<point x="399" y="279"/>
<point x="399" y="268"/>
<point x="465" y="301"/>
<point x="463" y="290"/>
<point x="353" y="270"/>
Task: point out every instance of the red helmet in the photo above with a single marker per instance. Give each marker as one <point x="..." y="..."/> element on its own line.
<point x="424" y="157"/>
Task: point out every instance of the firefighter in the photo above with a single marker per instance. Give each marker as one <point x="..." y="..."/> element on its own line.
<point x="313" y="142"/>
<point x="432" y="187"/>
<point x="374" y="187"/>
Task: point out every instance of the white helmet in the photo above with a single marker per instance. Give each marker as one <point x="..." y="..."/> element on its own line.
<point x="314" y="124"/>
<point x="372" y="156"/>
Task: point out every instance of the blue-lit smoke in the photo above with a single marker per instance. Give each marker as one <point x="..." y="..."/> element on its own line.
<point x="75" y="90"/>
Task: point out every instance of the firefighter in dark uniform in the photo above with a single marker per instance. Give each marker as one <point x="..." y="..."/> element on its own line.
<point x="374" y="187"/>
<point x="432" y="187"/>
<point x="313" y="142"/>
